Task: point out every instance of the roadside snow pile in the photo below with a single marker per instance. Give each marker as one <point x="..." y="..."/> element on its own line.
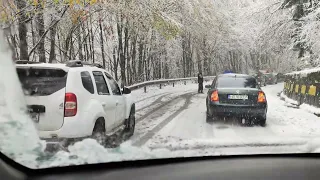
<point x="288" y="100"/>
<point x="89" y="151"/>
<point x="18" y="138"/>
<point x="309" y="108"/>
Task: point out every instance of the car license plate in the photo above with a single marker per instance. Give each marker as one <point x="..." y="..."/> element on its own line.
<point x="243" y="97"/>
<point x="35" y="117"/>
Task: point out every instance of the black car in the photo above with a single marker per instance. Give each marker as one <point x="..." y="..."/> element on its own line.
<point x="236" y="95"/>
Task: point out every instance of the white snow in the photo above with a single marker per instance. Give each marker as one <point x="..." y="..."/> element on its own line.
<point x="18" y="138"/>
<point x="288" y="100"/>
<point x="306" y="107"/>
<point x="305" y="71"/>
<point x="310" y="108"/>
<point x="168" y="92"/>
<point x="289" y="120"/>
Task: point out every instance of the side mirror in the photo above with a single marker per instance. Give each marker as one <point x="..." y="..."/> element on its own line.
<point x="208" y="86"/>
<point x="126" y="91"/>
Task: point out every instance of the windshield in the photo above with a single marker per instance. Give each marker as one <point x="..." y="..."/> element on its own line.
<point x="97" y="81"/>
<point x="237" y="82"/>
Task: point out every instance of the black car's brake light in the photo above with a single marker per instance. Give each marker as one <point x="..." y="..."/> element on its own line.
<point x="215" y="96"/>
<point x="261" y="97"/>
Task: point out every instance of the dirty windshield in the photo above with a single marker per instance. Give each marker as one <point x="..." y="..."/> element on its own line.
<point x="97" y="81"/>
<point x="237" y="82"/>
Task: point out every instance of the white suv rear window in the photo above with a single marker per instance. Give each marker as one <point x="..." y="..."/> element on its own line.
<point x="42" y="82"/>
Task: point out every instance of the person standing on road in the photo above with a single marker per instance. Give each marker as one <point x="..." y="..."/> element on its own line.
<point x="200" y="82"/>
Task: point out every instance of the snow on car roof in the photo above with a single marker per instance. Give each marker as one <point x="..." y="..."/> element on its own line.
<point x="54" y="66"/>
<point x="234" y="74"/>
<point x="45" y="65"/>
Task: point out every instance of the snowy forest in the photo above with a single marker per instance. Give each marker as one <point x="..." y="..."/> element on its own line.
<point x="140" y="40"/>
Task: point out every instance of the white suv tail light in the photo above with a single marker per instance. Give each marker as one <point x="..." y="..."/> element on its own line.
<point x="70" y="105"/>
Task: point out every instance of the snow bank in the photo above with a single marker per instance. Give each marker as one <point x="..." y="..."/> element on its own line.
<point x="288" y="100"/>
<point x="89" y="151"/>
<point x="306" y="107"/>
<point x="18" y="138"/>
<point x="310" y="108"/>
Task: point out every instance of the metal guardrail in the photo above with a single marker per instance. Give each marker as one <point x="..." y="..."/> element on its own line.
<point x="161" y="82"/>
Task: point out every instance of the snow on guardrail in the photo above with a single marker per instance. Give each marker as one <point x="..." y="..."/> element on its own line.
<point x="305" y="71"/>
<point x="162" y="81"/>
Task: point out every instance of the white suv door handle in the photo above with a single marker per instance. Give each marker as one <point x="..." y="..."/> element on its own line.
<point x="104" y="104"/>
<point x="117" y="103"/>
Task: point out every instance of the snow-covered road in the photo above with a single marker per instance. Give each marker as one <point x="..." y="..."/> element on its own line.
<point x="176" y="121"/>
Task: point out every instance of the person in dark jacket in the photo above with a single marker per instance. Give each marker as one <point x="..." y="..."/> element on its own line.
<point x="200" y="82"/>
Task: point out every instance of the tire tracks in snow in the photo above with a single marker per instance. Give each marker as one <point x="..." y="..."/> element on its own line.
<point x="157" y="101"/>
<point x="166" y="93"/>
<point x="153" y="110"/>
<point x="142" y="140"/>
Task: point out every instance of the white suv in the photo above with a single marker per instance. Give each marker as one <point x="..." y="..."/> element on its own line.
<point x="75" y="100"/>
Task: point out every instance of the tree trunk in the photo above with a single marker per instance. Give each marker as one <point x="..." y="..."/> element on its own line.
<point x="133" y="60"/>
<point x="34" y="39"/>
<point x="80" y="44"/>
<point x="125" y="53"/>
<point x="22" y="28"/>
<point x="40" y="28"/>
<point x="92" y="41"/>
<point x="145" y="66"/>
<point x="140" y="63"/>
<point x="115" y="64"/>
<point x="60" y="48"/>
<point x="121" y="50"/>
<point x="85" y="35"/>
<point x="53" y="32"/>
<point x="102" y="45"/>
<point x="184" y="55"/>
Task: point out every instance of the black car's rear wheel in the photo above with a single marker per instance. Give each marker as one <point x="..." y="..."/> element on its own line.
<point x="262" y="121"/>
<point x="210" y="118"/>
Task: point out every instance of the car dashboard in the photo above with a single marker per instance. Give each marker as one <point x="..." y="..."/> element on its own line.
<point x="268" y="167"/>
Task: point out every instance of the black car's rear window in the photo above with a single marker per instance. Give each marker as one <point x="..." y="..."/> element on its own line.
<point x="42" y="82"/>
<point x="237" y="82"/>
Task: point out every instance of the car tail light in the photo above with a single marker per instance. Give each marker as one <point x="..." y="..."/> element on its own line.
<point x="261" y="97"/>
<point x="70" y="105"/>
<point x="215" y="96"/>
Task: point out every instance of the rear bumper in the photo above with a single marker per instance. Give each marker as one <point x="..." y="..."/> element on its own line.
<point x="258" y="110"/>
<point x="73" y="128"/>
